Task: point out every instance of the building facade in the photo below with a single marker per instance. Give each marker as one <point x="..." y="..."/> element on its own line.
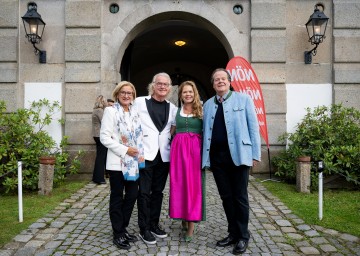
<point x="93" y="44"/>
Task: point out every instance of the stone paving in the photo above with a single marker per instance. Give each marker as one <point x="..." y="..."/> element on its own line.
<point x="80" y="226"/>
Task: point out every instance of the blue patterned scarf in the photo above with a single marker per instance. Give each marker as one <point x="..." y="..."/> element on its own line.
<point x="131" y="135"/>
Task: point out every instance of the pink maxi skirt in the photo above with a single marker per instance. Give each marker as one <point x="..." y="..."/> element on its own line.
<point x="186" y="188"/>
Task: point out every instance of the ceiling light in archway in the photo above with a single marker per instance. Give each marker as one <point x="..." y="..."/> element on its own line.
<point x="180" y="43"/>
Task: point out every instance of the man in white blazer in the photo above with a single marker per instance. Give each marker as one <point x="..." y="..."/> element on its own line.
<point x="157" y="115"/>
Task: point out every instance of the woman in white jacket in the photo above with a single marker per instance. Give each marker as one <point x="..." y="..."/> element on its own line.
<point x="121" y="133"/>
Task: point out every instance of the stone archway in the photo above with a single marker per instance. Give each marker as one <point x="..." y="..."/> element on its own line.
<point x="154" y="51"/>
<point x="138" y="20"/>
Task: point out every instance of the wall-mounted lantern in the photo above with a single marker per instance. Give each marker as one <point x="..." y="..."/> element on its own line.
<point x="34" y="29"/>
<point x="316" y="27"/>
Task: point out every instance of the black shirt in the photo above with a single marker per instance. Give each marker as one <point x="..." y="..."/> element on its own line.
<point x="157" y="111"/>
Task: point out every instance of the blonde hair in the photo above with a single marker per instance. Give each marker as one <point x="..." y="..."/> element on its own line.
<point x="119" y="86"/>
<point x="152" y="84"/>
<point x="197" y="110"/>
<point x="100" y="102"/>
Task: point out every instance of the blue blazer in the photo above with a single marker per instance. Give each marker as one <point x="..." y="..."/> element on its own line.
<point x="241" y="125"/>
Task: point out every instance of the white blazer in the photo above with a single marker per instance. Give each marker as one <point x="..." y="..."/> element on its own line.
<point x="153" y="139"/>
<point x="109" y="137"/>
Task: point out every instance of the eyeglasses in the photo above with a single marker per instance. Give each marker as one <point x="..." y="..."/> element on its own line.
<point x="123" y="93"/>
<point x="160" y="84"/>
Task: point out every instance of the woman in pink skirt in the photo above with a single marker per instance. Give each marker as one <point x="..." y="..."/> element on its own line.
<point x="187" y="198"/>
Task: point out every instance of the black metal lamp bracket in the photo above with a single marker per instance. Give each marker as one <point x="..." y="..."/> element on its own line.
<point x="42" y="54"/>
<point x="308" y="55"/>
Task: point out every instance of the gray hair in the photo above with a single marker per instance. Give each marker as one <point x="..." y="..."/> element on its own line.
<point x="152" y="84"/>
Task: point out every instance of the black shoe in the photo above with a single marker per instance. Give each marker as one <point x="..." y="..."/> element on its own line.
<point x="226" y="241"/>
<point x="130" y="237"/>
<point x="100" y="183"/>
<point x="122" y="243"/>
<point x="240" y="247"/>
<point x="158" y="231"/>
<point x="147" y="237"/>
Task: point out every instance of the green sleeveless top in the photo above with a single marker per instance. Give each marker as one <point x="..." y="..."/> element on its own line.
<point x="188" y="124"/>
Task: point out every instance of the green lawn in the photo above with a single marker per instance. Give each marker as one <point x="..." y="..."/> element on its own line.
<point x="341" y="208"/>
<point x="34" y="207"/>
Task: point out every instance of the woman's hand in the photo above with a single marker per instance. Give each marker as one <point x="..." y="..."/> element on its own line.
<point x="132" y="151"/>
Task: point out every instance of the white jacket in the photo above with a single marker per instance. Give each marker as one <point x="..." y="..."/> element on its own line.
<point x="153" y="139"/>
<point x="117" y="159"/>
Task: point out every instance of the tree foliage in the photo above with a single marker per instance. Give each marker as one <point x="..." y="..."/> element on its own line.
<point x="23" y="138"/>
<point x="329" y="134"/>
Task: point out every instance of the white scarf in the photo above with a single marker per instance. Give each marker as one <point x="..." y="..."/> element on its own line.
<point x="131" y="135"/>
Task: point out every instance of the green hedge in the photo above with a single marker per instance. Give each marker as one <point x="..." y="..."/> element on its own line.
<point x="330" y="134"/>
<point x="23" y="138"/>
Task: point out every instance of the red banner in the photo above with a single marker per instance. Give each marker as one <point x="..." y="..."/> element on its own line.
<point x="244" y="79"/>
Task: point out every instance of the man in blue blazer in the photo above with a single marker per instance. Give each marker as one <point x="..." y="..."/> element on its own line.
<point x="231" y="145"/>
<point x="156" y="115"/>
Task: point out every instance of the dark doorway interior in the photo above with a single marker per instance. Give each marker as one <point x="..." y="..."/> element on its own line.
<point x="154" y="51"/>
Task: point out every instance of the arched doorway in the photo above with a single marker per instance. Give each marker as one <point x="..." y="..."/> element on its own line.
<point x="154" y="51"/>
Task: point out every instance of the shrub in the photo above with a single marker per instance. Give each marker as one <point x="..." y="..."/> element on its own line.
<point x="23" y="138"/>
<point x="330" y="134"/>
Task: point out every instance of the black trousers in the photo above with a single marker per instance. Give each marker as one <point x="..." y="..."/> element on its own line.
<point x="152" y="182"/>
<point x="232" y="183"/>
<point x="121" y="207"/>
<point x="100" y="162"/>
